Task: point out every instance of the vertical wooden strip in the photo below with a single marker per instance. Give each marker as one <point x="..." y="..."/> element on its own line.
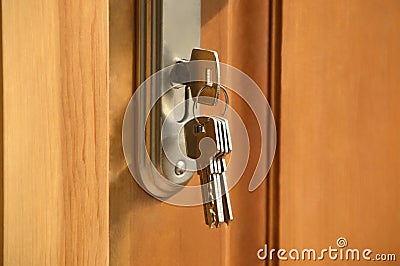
<point x="248" y="41"/>
<point x="55" y="74"/>
<point x="239" y="31"/>
<point x="1" y="144"/>
<point x="274" y="98"/>
<point x="122" y="185"/>
<point x="84" y="91"/>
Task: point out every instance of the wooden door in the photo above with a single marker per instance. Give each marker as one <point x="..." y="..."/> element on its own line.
<point x="340" y="126"/>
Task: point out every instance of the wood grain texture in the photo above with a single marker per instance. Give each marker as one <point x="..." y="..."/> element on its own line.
<point x="340" y="125"/>
<point x="55" y="94"/>
<point x="144" y="231"/>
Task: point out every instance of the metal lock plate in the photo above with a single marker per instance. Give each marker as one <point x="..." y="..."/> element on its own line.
<point x="167" y="31"/>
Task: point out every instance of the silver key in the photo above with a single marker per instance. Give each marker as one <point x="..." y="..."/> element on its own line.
<point x="217" y="206"/>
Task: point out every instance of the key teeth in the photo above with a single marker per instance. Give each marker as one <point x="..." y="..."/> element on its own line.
<point x="218" y="211"/>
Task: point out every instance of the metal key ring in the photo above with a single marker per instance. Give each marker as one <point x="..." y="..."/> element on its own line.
<point x="196" y="100"/>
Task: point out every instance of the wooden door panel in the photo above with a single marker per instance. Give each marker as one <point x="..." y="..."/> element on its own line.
<point x="55" y="132"/>
<point x="340" y="125"/>
<point x="145" y="231"/>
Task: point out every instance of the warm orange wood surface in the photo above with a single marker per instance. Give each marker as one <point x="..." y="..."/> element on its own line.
<point x="339" y="141"/>
<point x="144" y="231"/>
<point x="55" y="132"/>
<point x="239" y="31"/>
<point x="340" y="138"/>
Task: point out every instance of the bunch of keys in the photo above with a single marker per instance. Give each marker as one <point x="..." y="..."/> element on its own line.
<point x="212" y="171"/>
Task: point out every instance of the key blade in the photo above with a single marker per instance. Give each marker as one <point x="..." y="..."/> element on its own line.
<point x="217" y="136"/>
<point x="218" y="199"/>
<point x="209" y="203"/>
<point x="205" y="195"/>
<point x="225" y="190"/>
<point x="221" y="137"/>
<point x="228" y="135"/>
<point x="224" y="135"/>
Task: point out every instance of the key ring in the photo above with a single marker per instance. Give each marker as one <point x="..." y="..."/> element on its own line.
<point x="196" y="100"/>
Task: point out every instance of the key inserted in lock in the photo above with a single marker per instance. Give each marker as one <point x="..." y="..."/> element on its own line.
<point x="201" y="73"/>
<point x="208" y="66"/>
